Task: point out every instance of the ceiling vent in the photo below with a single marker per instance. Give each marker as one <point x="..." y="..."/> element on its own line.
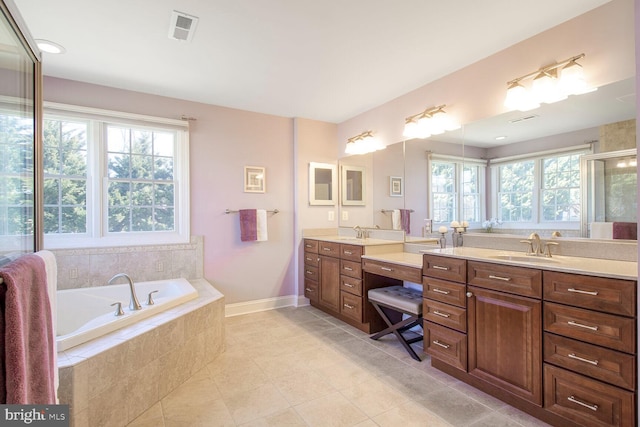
<point x="182" y="26"/>
<point x="522" y="119"/>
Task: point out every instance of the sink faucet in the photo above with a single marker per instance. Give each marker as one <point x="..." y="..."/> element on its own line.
<point x="359" y="233"/>
<point x="134" y="304"/>
<point x="535" y="245"/>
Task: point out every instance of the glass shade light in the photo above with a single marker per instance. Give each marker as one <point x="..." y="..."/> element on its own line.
<point x="545" y="89"/>
<point x="410" y="129"/>
<point x="433" y="121"/>
<point x="572" y="79"/>
<point x="363" y="144"/>
<point x="518" y="98"/>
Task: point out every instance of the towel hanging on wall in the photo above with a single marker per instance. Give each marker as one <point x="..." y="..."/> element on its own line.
<point x="253" y="225"/>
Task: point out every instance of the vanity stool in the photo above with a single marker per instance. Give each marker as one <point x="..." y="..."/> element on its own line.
<point x="392" y="303"/>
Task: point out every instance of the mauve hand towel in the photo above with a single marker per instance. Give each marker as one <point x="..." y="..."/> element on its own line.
<point x="27" y="339"/>
<point x="625" y="230"/>
<point x="405" y="220"/>
<point x="248" y="225"/>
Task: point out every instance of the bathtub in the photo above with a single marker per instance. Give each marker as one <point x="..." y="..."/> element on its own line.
<point x="86" y="313"/>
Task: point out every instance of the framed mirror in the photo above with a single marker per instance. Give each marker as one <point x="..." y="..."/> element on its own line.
<point x="322" y="184"/>
<point x="353" y="189"/>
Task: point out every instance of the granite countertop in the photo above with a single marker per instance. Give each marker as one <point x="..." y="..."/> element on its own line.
<point x="401" y="258"/>
<point x="625" y="270"/>
<point x="355" y="241"/>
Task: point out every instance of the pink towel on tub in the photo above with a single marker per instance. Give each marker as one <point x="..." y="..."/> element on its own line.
<point x="625" y="230"/>
<point x="28" y="348"/>
<point x="405" y="220"/>
<point x="248" y="225"/>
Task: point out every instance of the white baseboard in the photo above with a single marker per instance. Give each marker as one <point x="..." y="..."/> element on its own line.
<point x="255" y="306"/>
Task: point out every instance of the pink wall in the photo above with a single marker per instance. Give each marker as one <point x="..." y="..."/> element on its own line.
<point x="222" y="142"/>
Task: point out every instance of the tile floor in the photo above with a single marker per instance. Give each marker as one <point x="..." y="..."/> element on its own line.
<point x="301" y="367"/>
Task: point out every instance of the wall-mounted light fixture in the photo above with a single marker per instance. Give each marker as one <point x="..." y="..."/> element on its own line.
<point x="432" y="121"/>
<point x="551" y="83"/>
<point x="363" y="143"/>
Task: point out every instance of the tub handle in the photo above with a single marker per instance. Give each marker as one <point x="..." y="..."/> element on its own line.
<point x="150" y="298"/>
<point x="119" y="311"/>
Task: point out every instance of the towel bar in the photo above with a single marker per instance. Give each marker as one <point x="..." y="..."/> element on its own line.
<point x="229" y="211"/>
<point x="391" y="210"/>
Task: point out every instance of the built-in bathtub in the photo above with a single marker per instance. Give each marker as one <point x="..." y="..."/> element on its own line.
<point x="87" y="313"/>
<point x="111" y="379"/>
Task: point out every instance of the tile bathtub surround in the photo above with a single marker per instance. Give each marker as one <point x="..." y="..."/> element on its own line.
<point x="113" y="379"/>
<point x="78" y="268"/>
<point x="301" y="367"/>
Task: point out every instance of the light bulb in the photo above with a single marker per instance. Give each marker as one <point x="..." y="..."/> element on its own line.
<point x="572" y="79"/>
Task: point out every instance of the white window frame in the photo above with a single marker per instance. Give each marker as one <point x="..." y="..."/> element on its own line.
<point x="459" y="162"/>
<point x="97" y="203"/>
<point x="538" y="157"/>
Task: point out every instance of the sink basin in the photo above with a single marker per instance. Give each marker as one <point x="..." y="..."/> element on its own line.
<point x="350" y="239"/>
<point x="525" y="258"/>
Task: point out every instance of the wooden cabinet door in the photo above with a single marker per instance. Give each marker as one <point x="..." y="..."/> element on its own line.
<point x="329" y="295"/>
<point x="505" y="342"/>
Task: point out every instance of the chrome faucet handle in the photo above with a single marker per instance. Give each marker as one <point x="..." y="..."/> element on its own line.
<point x="530" y="247"/>
<point x="150" y="298"/>
<point x="119" y="311"/>
<point x="548" y="245"/>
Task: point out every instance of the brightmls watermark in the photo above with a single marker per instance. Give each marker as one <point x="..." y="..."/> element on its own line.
<point x="34" y="415"/>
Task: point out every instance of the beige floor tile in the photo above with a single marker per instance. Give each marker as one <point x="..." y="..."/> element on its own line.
<point x="409" y="414"/>
<point x="243" y="377"/>
<point x="276" y="366"/>
<point x="287" y="418"/>
<point x="209" y="414"/>
<point x="344" y="374"/>
<point x="374" y="397"/>
<point x="254" y="404"/>
<point x="200" y="389"/>
<point x="304" y="387"/>
<point x="454" y="407"/>
<point x="329" y="411"/>
<point x="152" y="417"/>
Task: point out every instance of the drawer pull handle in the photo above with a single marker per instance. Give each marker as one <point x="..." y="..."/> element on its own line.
<point x="586" y="405"/>
<point x="438" y="343"/>
<point x="308" y="246"/>
<point x="348" y="268"/>
<point x="348" y="253"/>
<point x="326" y="249"/>
<point x="504" y="279"/>
<point x="386" y="268"/>
<point x="439" y="267"/>
<point x="309" y="272"/>
<point x="580" y="325"/>
<point x="348" y="285"/>
<point x="573" y="356"/>
<point x="578" y="291"/>
<point x="437" y="313"/>
<point x="439" y="291"/>
<point x="309" y="290"/>
<point x="309" y="259"/>
<point x="349" y="306"/>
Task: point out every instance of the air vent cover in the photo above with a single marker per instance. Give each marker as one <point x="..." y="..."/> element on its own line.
<point x="182" y="26"/>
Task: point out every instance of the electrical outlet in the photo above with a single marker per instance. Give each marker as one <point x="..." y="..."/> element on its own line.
<point x="73" y="273"/>
<point x="331" y="216"/>
<point x="160" y="266"/>
<point x="345" y="215"/>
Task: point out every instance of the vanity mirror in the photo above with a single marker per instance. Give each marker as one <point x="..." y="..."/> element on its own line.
<point x="352" y="185"/>
<point x="322" y="184"/>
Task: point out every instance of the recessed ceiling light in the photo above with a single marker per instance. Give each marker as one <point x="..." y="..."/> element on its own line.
<point x="49" y="46"/>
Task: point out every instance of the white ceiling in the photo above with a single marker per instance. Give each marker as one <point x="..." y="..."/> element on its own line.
<point x="327" y="60"/>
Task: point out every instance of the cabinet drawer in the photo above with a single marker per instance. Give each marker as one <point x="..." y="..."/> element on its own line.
<point x="445" y="315"/>
<point x="587" y="402"/>
<point x="329" y="249"/>
<point x="312" y="259"/>
<point x="311" y="246"/>
<point x="600" y="363"/>
<point x="392" y="270"/>
<point x="515" y="280"/>
<point x="351" y="285"/>
<point x="607" y="330"/>
<point x="351" y="252"/>
<point x="445" y="268"/>
<point x="351" y="306"/>
<point x="443" y="291"/>
<point x="597" y="293"/>
<point x="351" y="269"/>
<point x="311" y="272"/>
<point x="446" y="345"/>
<point x="311" y="290"/>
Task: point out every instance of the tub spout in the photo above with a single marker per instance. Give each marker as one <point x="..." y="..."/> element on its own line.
<point x="134" y="304"/>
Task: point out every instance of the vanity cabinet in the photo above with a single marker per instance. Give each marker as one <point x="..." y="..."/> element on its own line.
<point x="335" y="283"/>
<point x="560" y="346"/>
<point x="505" y="328"/>
<point x="589" y="349"/>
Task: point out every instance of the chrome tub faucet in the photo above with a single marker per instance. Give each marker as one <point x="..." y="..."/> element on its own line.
<point x="134" y="304"/>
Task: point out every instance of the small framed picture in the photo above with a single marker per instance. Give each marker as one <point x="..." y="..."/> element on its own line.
<point x="254" y="179"/>
<point x="395" y="186"/>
